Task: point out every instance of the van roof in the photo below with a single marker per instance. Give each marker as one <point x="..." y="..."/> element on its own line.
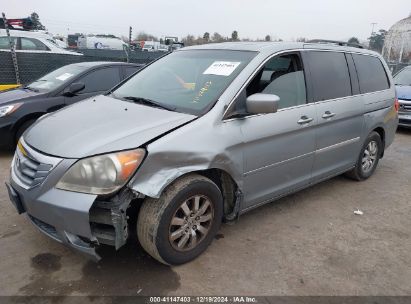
<point x="272" y="47"/>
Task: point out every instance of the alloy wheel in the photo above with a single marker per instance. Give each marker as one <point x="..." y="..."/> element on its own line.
<point x="369" y="156"/>
<point x="191" y="223"/>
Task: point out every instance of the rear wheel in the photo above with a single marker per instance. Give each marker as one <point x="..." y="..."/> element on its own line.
<point x="181" y="224"/>
<point x="368" y="160"/>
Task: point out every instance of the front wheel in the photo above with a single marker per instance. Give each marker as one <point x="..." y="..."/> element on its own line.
<point x="181" y="224"/>
<point x="368" y="160"/>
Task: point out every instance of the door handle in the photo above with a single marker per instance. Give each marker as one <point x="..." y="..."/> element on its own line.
<point x="328" y="114"/>
<point x="305" y="120"/>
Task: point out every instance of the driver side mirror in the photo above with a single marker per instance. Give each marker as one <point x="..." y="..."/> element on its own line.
<point x="74" y="88"/>
<point x="262" y="103"/>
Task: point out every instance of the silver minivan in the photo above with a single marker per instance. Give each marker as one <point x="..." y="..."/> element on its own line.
<point x="199" y="136"/>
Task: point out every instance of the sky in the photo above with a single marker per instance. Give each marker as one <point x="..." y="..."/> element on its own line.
<point x="288" y="20"/>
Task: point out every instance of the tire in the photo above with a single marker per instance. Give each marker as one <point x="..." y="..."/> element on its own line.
<point x="23" y="128"/>
<point x="360" y="171"/>
<point x="155" y="230"/>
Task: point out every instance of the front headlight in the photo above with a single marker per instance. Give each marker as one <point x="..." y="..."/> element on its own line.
<point x="7" y="110"/>
<point x="102" y="174"/>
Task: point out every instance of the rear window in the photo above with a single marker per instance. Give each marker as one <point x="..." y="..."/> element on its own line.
<point x="330" y="76"/>
<point x="371" y="73"/>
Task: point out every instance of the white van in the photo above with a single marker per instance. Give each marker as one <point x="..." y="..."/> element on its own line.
<point x="96" y="42"/>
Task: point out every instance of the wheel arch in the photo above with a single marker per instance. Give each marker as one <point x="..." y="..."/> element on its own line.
<point x="24" y="119"/>
<point x="381" y="132"/>
<point x="224" y="181"/>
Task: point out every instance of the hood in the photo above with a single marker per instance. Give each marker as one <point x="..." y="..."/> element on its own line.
<point x="16" y="95"/>
<point x="105" y="125"/>
<point x="403" y="92"/>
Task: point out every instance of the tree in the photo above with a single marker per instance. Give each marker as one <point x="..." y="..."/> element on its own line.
<point x="301" y="39"/>
<point x="206" y="37"/>
<point x="377" y="40"/>
<point x="142" y="36"/>
<point x="234" y="36"/>
<point x="353" y="40"/>
<point x="268" y="38"/>
<point x="217" y="37"/>
<point x="35" y="19"/>
<point x="189" y="40"/>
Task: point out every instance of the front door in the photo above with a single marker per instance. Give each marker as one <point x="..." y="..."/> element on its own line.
<point x="279" y="147"/>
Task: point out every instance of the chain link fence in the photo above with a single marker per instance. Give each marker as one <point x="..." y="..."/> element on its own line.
<point x="33" y="65"/>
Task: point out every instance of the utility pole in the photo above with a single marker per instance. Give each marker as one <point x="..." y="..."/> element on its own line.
<point x="129" y="37"/>
<point x="372" y="32"/>
<point x="373" y="26"/>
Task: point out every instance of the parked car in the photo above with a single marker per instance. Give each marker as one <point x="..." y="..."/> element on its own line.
<point x="204" y="133"/>
<point x="402" y="81"/>
<point x="19" y="108"/>
<point x="32" y="42"/>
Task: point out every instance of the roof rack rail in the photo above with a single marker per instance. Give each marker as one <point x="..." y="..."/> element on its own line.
<point x="23" y="24"/>
<point x="340" y="43"/>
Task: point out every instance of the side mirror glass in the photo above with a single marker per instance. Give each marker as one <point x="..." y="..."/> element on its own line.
<point x="262" y="103"/>
<point x="75" y="88"/>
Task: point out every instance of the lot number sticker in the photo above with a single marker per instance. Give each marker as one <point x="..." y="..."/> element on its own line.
<point x="222" y="68"/>
<point x="64" y="76"/>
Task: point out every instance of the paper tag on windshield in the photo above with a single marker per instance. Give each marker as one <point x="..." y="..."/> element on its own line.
<point x="222" y="68"/>
<point x="64" y="76"/>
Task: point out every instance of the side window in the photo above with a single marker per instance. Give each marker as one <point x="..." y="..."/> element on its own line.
<point x="101" y="80"/>
<point x="371" y="73"/>
<point x="330" y="76"/>
<point x="31" y="44"/>
<point x="282" y="76"/>
<point x="130" y="70"/>
<point x="4" y="43"/>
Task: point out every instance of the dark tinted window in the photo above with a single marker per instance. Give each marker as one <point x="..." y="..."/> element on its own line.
<point x="330" y="76"/>
<point x="101" y="80"/>
<point x="371" y="73"/>
<point x="130" y="70"/>
<point x="282" y="76"/>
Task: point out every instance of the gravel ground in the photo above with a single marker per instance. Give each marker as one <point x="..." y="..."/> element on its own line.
<point x="309" y="243"/>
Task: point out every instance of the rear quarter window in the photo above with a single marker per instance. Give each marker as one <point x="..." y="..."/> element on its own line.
<point x="372" y="76"/>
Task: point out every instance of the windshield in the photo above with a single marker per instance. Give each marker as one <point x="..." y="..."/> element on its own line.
<point x="188" y="81"/>
<point x="56" y="78"/>
<point x="403" y="78"/>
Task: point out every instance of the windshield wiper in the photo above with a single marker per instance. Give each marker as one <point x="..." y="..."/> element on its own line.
<point x="149" y="102"/>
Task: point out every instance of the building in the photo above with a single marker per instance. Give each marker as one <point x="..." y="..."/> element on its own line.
<point x="397" y="45"/>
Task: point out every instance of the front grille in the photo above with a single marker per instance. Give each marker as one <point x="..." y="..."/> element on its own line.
<point x="405" y="105"/>
<point x="405" y="108"/>
<point x="30" y="171"/>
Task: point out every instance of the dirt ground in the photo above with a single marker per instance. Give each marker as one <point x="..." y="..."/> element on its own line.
<point x="309" y="243"/>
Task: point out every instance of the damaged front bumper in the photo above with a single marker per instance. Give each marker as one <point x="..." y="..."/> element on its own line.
<point x="79" y="220"/>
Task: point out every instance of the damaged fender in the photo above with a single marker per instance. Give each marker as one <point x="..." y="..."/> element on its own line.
<point x="184" y="151"/>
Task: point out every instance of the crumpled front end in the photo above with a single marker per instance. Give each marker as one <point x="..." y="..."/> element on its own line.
<point x="79" y="220"/>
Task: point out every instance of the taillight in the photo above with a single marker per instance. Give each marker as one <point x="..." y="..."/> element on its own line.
<point x="396" y="104"/>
